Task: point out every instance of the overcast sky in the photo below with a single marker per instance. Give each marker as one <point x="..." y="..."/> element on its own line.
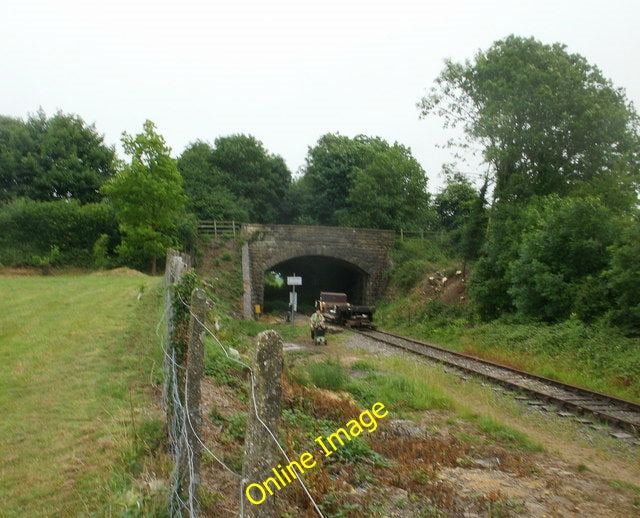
<point x="283" y="71"/>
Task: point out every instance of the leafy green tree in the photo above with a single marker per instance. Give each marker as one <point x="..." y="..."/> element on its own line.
<point x="148" y="197"/>
<point x="568" y="245"/>
<point x="329" y="174"/>
<point x="389" y="193"/>
<point x="15" y="145"/>
<point x="236" y="179"/>
<point x="547" y="121"/>
<point x="623" y="278"/>
<point x="53" y="158"/>
<point x="207" y="187"/>
<point x="472" y="233"/>
<point x="454" y="203"/>
<point x="489" y="283"/>
<point x="258" y="179"/>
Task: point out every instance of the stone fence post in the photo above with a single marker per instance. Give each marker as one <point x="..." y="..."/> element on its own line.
<point x="192" y="394"/>
<point x="261" y="453"/>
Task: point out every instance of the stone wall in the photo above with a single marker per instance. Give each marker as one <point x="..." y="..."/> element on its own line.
<point x="269" y="245"/>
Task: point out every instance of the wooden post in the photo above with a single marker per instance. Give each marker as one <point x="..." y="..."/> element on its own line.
<point x="261" y="453"/>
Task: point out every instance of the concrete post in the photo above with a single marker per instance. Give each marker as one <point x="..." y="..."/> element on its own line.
<point x="247" y="297"/>
<point x="261" y="453"/>
<point x="193" y="376"/>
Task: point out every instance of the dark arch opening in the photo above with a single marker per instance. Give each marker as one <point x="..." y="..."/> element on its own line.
<point x="319" y="273"/>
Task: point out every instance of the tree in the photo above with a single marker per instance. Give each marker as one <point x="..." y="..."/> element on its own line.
<point x="236" y="179"/>
<point x="147" y="196"/>
<point x="329" y="173"/>
<point x="623" y="278"/>
<point x="567" y="246"/>
<point x="15" y="144"/>
<point x="207" y="187"/>
<point x="257" y="178"/>
<point x="454" y="203"/>
<point x="48" y="159"/>
<point x="489" y="283"/>
<point x="389" y="193"/>
<point x="547" y="121"/>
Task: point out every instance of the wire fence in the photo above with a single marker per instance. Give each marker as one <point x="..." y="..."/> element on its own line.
<point x="184" y="438"/>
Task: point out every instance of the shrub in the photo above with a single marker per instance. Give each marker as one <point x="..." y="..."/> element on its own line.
<point x="29" y="230"/>
<point x="327" y="374"/>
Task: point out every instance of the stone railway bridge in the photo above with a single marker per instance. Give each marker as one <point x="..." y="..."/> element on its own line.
<point x="350" y="260"/>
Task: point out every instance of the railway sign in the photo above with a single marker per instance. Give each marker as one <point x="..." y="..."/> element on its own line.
<point x="294" y="281"/>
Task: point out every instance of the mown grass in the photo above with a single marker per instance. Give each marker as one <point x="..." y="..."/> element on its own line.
<point x="76" y="356"/>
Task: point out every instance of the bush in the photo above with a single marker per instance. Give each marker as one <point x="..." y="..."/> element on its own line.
<point x="623" y="280"/>
<point x="30" y="230"/>
<point x="569" y="244"/>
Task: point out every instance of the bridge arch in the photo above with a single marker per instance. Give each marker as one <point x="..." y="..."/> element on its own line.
<point x="363" y="252"/>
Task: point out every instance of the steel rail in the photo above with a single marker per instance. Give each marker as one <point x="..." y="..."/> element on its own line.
<point x="618" y="412"/>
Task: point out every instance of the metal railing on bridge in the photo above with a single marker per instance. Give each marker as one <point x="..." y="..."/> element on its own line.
<point x="232" y="228"/>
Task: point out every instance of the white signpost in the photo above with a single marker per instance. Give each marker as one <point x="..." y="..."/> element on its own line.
<point x="293" y="281"/>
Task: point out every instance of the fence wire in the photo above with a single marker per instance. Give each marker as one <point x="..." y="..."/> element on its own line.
<point x="179" y="419"/>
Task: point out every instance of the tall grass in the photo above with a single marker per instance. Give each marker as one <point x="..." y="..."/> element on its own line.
<point x="76" y="353"/>
<point x="593" y="356"/>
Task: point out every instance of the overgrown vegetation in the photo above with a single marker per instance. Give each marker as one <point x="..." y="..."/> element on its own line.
<point x="596" y="355"/>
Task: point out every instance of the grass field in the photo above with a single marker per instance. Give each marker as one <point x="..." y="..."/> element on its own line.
<point x="76" y="357"/>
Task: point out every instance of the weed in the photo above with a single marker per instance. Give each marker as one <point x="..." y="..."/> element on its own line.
<point x="334" y="506"/>
<point x="428" y="510"/>
<point x="234" y="460"/>
<point x="507" y="435"/>
<point x="237" y="425"/>
<point x="216" y="417"/>
<point x="420" y="476"/>
<point x="327" y="374"/>
<point x="311" y="427"/>
<point x="355" y="449"/>
<point x="621" y="485"/>
<point x="363" y="392"/>
<point x="222" y="369"/>
<point x="363" y="475"/>
<point x="466" y="438"/>
<point x="399" y="391"/>
<point x="207" y="498"/>
<point x="363" y="365"/>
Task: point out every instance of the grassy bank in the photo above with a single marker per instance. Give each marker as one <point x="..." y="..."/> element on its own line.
<point x="76" y="356"/>
<point x="427" y="299"/>
<point x="595" y="357"/>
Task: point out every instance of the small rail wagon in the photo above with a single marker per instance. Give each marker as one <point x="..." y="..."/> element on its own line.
<point x="336" y="309"/>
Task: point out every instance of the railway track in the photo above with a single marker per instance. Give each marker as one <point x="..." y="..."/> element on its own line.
<point x="617" y="412"/>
